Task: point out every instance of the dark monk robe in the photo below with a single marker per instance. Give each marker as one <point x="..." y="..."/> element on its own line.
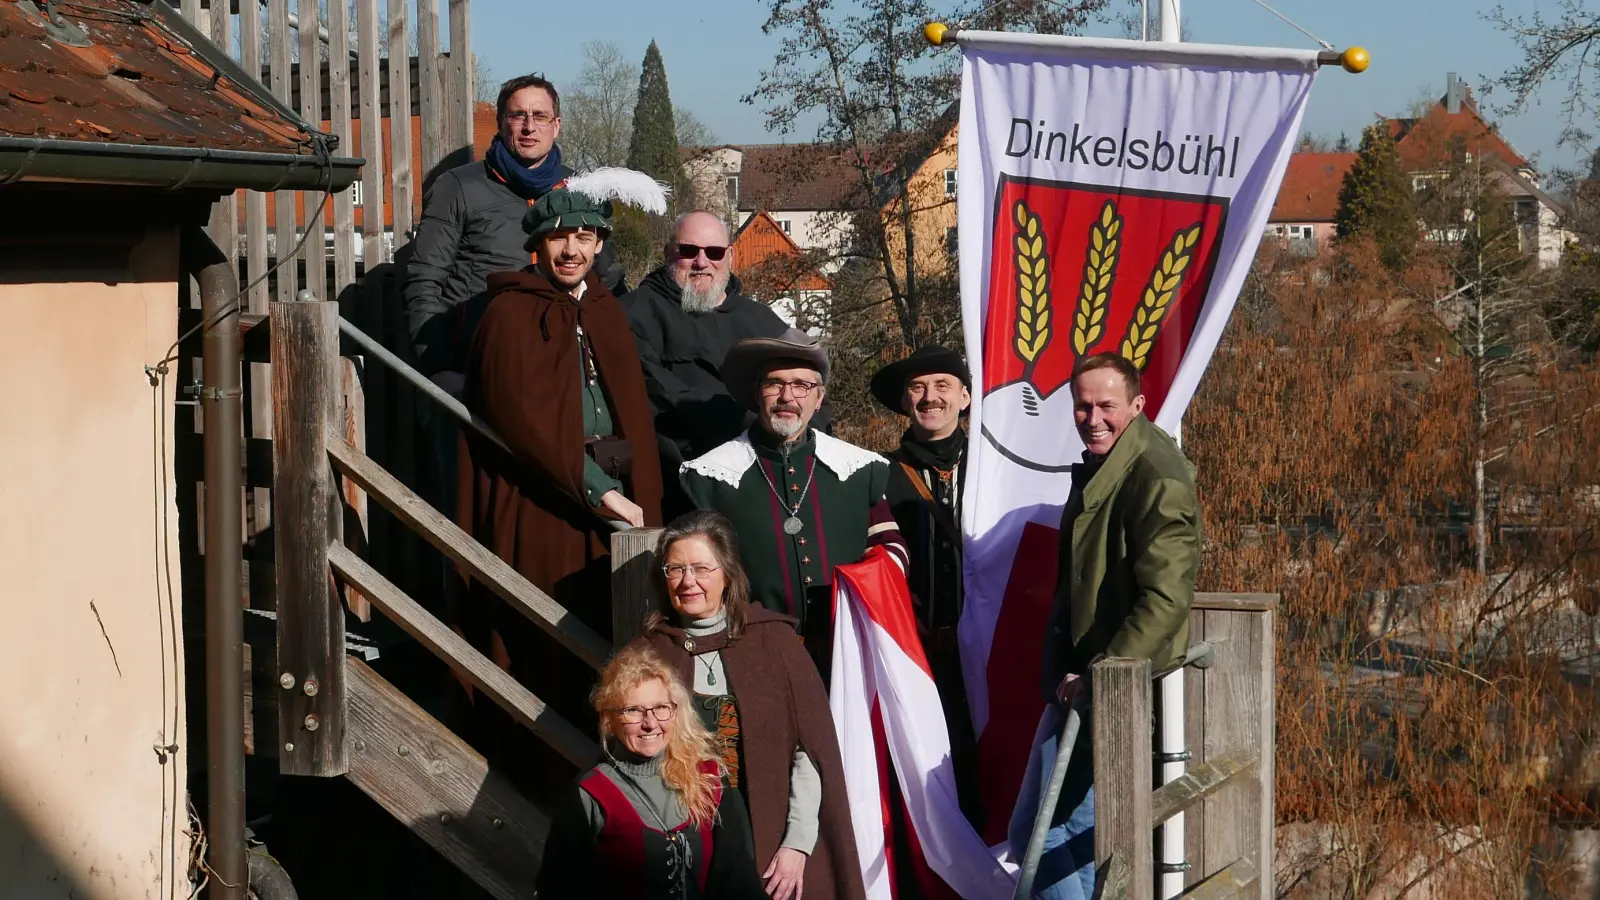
<point x="526" y="378"/>
<point x="782" y="706"/>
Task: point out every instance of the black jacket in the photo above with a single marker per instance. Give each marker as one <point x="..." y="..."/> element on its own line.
<point x="682" y="356"/>
<point x="471" y="227"/>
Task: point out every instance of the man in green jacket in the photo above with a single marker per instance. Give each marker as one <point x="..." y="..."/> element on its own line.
<point x="1130" y="550"/>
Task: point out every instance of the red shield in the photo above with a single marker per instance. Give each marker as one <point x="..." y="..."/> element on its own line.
<point x="1079" y="269"/>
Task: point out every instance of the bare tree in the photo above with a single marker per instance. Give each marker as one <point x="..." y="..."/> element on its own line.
<point x="1563" y="47"/>
<point x="597" y="111"/>
<point x="691" y="131"/>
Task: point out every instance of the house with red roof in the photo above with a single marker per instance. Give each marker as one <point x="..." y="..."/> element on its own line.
<point x="803" y="187"/>
<point x="775" y="270"/>
<point x="1449" y="134"/>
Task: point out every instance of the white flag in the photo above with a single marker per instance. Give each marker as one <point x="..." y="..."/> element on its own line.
<point x="1111" y="195"/>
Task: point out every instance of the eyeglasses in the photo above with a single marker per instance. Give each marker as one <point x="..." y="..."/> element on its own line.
<point x="675" y="572"/>
<point x="633" y="715"/>
<point x="771" y="387"/>
<point x="537" y="120"/>
<point x="690" y="251"/>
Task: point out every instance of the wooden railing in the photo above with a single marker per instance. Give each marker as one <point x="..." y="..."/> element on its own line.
<point x="336" y="717"/>
<point x="1227" y="794"/>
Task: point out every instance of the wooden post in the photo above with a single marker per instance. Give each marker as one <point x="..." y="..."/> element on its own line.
<point x="280" y="58"/>
<point x="372" y="218"/>
<point x="400" y="174"/>
<point x="430" y="87"/>
<point x="353" y="425"/>
<point x="461" y="94"/>
<point x="1120" y="721"/>
<point x="255" y="202"/>
<point x="311" y="110"/>
<point x="1238" y="714"/>
<point x="344" y="214"/>
<point x="311" y="667"/>
<point x="633" y="590"/>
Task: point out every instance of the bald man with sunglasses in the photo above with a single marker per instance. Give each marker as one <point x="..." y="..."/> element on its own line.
<point x="685" y="317"/>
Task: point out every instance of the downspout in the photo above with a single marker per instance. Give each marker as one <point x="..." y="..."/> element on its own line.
<point x="224" y="541"/>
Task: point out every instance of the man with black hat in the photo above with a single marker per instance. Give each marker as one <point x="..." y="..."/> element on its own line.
<point x="801" y="500"/>
<point x="554" y="372"/>
<point x="926" y="476"/>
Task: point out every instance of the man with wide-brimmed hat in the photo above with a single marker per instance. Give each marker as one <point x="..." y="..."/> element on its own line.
<point x="802" y="501"/>
<point x="555" y="373"/>
<point x="926" y="477"/>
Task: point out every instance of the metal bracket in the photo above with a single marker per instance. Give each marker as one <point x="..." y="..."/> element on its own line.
<point x="219" y="394"/>
<point x="1166" y="868"/>
<point x="1178" y="756"/>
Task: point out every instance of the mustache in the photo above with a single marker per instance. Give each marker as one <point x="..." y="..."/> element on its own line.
<point x="929" y="405"/>
<point x="783" y="407"/>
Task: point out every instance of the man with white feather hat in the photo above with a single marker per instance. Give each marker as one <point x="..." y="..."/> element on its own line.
<point x="554" y="370"/>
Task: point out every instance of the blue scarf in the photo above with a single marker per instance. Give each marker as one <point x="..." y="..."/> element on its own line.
<point x="529" y="184"/>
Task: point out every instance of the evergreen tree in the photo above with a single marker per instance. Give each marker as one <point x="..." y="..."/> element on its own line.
<point x="1376" y="200"/>
<point x="654" y="147"/>
<point x="1343" y="144"/>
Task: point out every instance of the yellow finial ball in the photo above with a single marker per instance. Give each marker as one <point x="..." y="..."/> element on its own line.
<point x="935" y="32"/>
<point x="1355" y="59"/>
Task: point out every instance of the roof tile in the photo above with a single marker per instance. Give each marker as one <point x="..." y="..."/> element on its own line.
<point x="137" y="83"/>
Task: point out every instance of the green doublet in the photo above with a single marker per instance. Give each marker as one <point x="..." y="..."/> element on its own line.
<point x="792" y="573"/>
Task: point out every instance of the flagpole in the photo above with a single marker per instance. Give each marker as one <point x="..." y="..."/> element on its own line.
<point x="1171" y="15"/>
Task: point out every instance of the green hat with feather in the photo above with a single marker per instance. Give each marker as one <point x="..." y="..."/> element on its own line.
<point x="585" y="201"/>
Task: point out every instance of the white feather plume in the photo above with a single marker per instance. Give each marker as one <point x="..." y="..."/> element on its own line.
<point x="622" y="186"/>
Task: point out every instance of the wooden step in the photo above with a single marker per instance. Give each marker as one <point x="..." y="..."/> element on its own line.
<point x="428" y="778"/>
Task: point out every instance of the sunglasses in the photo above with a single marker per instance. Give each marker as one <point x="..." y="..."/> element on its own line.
<point x="690" y="251"/>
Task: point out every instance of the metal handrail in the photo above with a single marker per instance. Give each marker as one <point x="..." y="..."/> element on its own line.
<point x="426" y="385"/>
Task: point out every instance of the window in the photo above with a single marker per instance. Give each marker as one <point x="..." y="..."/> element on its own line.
<point x="355" y="192"/>
<point x="950" y="242"/>
<point x="1276" y="231"/>
<point x="950" y="183"/>
<point x="1302" y="232"/>
<point x="732" y="185"/>
<point x="784" y="224"/>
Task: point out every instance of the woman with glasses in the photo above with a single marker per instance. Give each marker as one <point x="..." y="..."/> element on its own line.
<point x="656" y="819"/>
<point x="759" y="694"/>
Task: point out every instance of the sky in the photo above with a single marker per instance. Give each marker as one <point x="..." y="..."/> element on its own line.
<point x="715" y="52"/>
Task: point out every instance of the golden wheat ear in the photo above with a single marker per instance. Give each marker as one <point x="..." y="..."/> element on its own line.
<point x="1099" y="269"/>
<point x="1033" y="285"/>
<point x="1158" y="295"/>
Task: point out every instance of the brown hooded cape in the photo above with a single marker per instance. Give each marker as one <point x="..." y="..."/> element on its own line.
<point x="782" y="706"/>
<point x="529" y="506"/>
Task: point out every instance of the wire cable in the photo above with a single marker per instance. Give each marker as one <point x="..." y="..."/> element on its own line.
<point x="1295" y="25"/>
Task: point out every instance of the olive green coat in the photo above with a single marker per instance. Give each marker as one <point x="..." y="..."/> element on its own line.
<point x="1130" y="550"/>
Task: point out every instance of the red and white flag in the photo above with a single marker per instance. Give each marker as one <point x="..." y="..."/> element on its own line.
<point x="1111" y="196"/>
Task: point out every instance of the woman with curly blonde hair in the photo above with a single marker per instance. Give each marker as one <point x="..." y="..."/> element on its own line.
<point x="655" y="820"/>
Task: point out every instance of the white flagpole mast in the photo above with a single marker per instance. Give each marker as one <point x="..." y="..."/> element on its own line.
<point x="1171" y="733"/>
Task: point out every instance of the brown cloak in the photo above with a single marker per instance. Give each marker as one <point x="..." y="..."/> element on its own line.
<point x="782" y="706"/>
<point x="529" y="506"/>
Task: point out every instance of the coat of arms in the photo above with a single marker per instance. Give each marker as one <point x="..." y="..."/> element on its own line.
<point x="1080" y="269"/>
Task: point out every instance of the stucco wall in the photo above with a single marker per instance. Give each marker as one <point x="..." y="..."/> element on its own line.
<point x="92" y="676"/>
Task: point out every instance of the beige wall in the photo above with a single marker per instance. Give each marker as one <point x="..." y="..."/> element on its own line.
<point x="86" y="805"/>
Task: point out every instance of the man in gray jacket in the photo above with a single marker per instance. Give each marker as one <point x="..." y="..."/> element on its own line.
<point x="472" y="227"/>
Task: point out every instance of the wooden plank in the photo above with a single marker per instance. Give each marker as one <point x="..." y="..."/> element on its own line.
<point x="344" y="215"/>
<point x="1122" y="771"/>
<point x="1198" y="783"/>
<point x="430" y="103"/>
<point x="1236" y="602"/>
<point x="191" y="10"/>
<point x="1239" y="717"/>
<point x="353" y="406"/>
<point x="372" y="218"/>
<point x="634" y="595"/>
<point x="1241" y="879"/>
<point x="280" y="59"/>
<point x="1113" y="880"/>
<point x="400" y="174"/>
<point x="255" y="202"/>
<point x="305" y="385"/>
<point x="442" y="789"/>
<point x="460" y="94"/>
<point x="506" y="582"/>
<point x="1194" y="719"/>
<point x="224" y="225"/>
<point x="314" y="254"/>
<point x="496" y="684"/>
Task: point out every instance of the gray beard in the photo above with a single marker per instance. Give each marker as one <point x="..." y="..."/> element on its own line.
<point x="784" y="428"/>
<point x="698" y="303"/>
